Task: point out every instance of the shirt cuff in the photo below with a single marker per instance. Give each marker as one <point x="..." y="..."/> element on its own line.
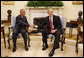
<point x="36" y="26"/>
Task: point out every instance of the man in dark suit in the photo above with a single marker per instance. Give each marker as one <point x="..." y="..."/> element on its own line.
<point x="53" y="27"/>
<point x="20" y="27"/>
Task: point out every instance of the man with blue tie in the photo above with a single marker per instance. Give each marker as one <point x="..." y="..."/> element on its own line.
<point x="20" y="27"/>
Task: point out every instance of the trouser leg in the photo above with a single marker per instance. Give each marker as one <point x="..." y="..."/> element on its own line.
<point x="24" y="35"/>
<point x="15" y="33"/>
<point x="44" y="35"/>
<point x="56" y="41"/>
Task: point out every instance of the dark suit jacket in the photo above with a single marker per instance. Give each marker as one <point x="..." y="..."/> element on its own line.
<point x="21" y="23"/>
<point x="56" y="23"/>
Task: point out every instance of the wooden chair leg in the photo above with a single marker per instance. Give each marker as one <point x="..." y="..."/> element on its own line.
<point x="62" y="43"/>
<point x="9" y="41"/>
<point x="64" y="36"/>
<point x="28" y="40"/>
<point x="76" y="48"/>
<point x="64" y="40"/>
<point x="77" y="44"/>
<point x="71" y="31"/>
<point x="4" y="39"/>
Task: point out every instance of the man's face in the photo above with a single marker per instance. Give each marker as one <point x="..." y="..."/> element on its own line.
<point x="22" y="12"/>
<point x="50" y="13"/>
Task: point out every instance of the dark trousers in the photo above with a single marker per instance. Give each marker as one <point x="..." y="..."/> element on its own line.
<point x="15" y="34"/>
<point x="56" y="41"/>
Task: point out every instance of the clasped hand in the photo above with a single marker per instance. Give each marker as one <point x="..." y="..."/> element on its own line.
<point x="35" y="26"/>
<point x="53" y="31"/>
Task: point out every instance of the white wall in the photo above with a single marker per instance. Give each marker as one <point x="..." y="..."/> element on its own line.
<point x="70" y="11"/>
<point x="15" y="9"/>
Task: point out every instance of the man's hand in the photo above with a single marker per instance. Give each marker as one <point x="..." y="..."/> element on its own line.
<point x="27" y="28"/>
<point x="53" y="31"/>
<point x="31" y="25"/>
<point x="34" y="26"/>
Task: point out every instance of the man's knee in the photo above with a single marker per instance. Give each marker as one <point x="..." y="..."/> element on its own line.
<point x="23" y="31"/>
<point x="45" y="32"/>
<point x="15" y="33"/>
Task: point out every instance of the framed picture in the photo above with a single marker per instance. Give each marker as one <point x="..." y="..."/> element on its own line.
<point x="8" y="2"/>
<point x="77" y="2"/>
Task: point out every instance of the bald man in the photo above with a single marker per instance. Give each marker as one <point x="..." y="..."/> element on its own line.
<point x="20" y="27"/>
<point x="54" y="25"/>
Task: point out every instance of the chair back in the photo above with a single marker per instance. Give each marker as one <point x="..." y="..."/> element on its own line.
<point x="13" y="21"/>
<point x="63" y="21"/>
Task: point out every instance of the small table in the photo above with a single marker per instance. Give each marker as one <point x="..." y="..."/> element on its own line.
<point x="5" y="21"/>
<point x="80" y="23"/>
<point x="2" y="30"/>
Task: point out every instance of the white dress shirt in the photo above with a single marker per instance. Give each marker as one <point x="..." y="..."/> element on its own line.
<point x="49" y="20"/>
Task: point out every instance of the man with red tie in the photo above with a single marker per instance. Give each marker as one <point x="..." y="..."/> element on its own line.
<point x="53" y="27"/>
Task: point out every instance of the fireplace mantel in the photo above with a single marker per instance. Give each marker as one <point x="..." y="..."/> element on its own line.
<point x="43" y="7"/>
<point x="32" y="12"/>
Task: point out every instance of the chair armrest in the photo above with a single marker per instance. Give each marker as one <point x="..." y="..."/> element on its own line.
<point x="27" y="28"/>
<point x="64" y="29"/>
<point x="10" y="27"/>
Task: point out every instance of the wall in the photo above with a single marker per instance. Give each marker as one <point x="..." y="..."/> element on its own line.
<point x="70" y="11"/>
<point x="15" y="9"/>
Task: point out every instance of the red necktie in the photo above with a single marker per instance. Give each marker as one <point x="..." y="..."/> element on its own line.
<point x="51" y="27"/>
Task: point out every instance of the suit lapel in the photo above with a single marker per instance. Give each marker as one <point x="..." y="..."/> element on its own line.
<point x="48" y="20"/>
<point x="23" y="19"/>
<point x="53" y="20"/>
